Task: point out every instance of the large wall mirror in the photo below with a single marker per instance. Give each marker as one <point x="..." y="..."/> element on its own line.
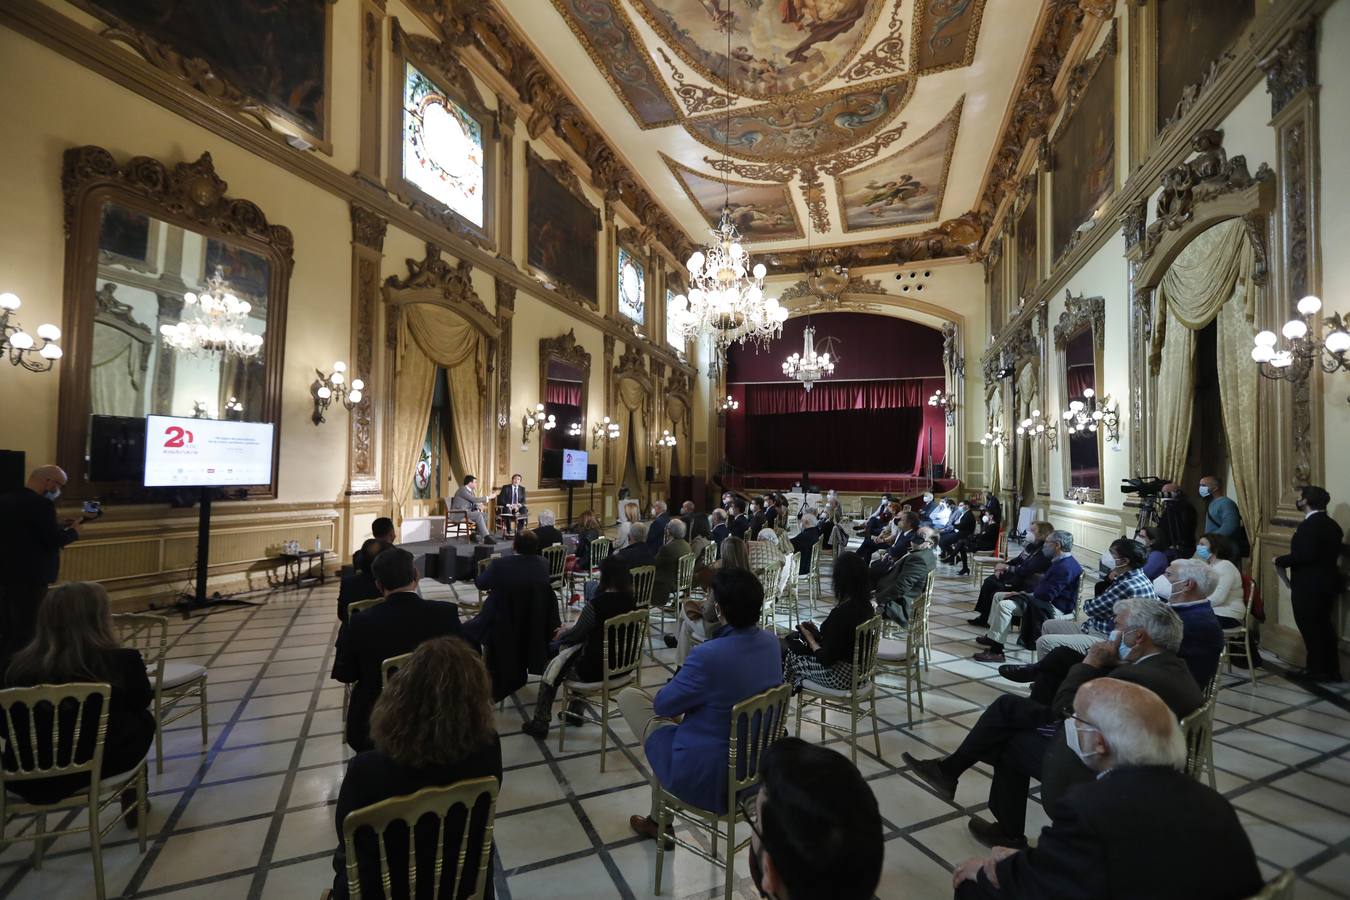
<point x="1079" y="340"/>
<point x="175" y="305"/>
<point x="564" y="374"/>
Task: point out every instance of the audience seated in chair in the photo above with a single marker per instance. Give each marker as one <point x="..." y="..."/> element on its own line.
<point x="547" y="533"/>
<point x="512" y="510"/>
<point x="804" y="542"/>
<point x="432" y="726"/>
<point x="382" y="530"/>
<point x="360" y="585"/>
<point x="1017" y="575"/>
<point x="739" y="523"/>
<point x="1021" y="736"/>
<point x="588" y="529"/>
<point x="900" y="587"/>
<point x="684" y="729"/>
<point x="1226" y="594"/>
<point x="1139" y="828"/>
<point x="668" y="562"/>
<point x="819" y="831"/>
<point x="764" y="550"/>
<point x="1055" y="595"/>
<point x="886" y="533"/>
<point x="75" y="642"/>
<point x="392" y="628"/>
<point x="720" y="530"/>
<point x="824" y="655"/>
<point x="941" y="516"/>
<point x="656" y="529"/>
<point x="1125" y="558"/>
<point x="699" y="533"/>
<point x="687" y="510"/>
<point x="1155" y="545"/>
<point x="700" y="620"/>
<point x="880" y="516"/>
<point x="904" y="530"/>
<point x="960" y="526"/>
<point x="629" y="512"/>
<point x="614" y="598"/>
<point x="519" y="616"/>
<point x="983" y="540"/>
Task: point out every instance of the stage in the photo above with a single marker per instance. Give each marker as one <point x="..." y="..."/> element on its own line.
<point x="441" y="560"/>
<point x="853" y="482"/>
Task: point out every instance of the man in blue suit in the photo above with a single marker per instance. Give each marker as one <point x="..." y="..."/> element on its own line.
<point x="656" y="530"/>
<point x="684" y="728"/>
<point x="1053" y="597"/>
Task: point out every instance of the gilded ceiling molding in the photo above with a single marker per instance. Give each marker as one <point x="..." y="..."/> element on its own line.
<point x="444" y="60"/>
<point x="1192" y="93"/>
<point x="1292" y="67"/>
<point x="368" y="228"/>
<point x="813" y="192"/>
<point x="933" y="37"/>
<point x="696" y="98"/>
<point x="886" y="56"/>
<point x="959" y="237"/>
<point x="1080" y="312"/>
<point x="1034" y="106"/>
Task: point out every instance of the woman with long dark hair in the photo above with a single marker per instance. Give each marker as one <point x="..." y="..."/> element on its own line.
<point x="824" y="655"/>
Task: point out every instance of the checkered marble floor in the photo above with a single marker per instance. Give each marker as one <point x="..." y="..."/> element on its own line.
<point x="251" y="816"/>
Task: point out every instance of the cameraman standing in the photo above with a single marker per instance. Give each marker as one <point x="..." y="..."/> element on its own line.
<point x="30" y="554"/>
<point x="1177" y="520"/>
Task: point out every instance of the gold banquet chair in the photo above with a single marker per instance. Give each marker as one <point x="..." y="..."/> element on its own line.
<point x="770" y="578"/>
<point x="478" y="799"/>
<point x="389" y="667"/>
<point x="756" y="723"/>
<point x="1239" y="638"/>
<point x="622" y="663"/>
<point x="556" y="557"/>
<point x="174" y="682"/>
<point x="903" y="655"/>
<point x="861" y="697"/>
<point x="684" y="584"/>
<point x="598" y="551"/>
<point x="1198" y="729"/>
<point x="787" y="588"/>
<point x="985" y="563"/>
<point x="358" y="606"/>
<point x="40" y="757"/>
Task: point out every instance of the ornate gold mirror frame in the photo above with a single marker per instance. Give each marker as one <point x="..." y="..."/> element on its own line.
<point x="1081" y="314"/>
<point x="191" y="196"/>
<point x="566" y="350"/>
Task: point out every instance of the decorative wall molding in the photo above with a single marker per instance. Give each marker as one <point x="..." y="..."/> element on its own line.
<point x="565" y="348"/>
<point x="453" y="282"/>
<point x="368" y="232"/>
<point x="1080" y="312"/>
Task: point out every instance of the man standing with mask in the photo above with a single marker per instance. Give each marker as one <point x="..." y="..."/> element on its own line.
<point x="1222" y="516"/>
<point x="32" y="540"/>
<point x="1177" y="520"/>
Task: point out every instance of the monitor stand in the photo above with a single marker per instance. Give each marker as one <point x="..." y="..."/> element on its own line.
<point x="191" y="602"/>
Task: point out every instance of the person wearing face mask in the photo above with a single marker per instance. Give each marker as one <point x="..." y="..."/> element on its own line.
<point x="983" y="540"/>
<point x="1054" y="595"/>
<point x="941" y="515"/>
<point x="656" y="530"/>
<point x="1177" y="521"/>
<point x="807" y="792"/>
<point x="1099" y="842"/>
<point x="1316" y="583"/>
<point x="1155" y="545"/>
<point x="1216" y="552"/>
<point x="1222" y="515"/>
<point x="32" y="538"/>
<point x="926" y="509"/>
<point x="1126" y="559"/>
<point x="961" y="526"/>
<point x="1191" y="586"/>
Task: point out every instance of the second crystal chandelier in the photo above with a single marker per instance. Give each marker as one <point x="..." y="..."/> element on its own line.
<point x="808" y="367"/>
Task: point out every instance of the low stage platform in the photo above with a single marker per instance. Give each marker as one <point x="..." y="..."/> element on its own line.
<point x="453" y="560"/>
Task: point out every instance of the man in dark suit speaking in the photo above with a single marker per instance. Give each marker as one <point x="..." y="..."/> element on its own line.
<point x="32" y="540"/>
<point x="1140" y="828"/>
<point x="511" y="507"/>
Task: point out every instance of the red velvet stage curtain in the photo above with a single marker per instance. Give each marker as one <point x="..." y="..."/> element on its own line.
<point x="933" y="429"/>
<point x="848" y="440"/>
<point x="828" y="396"/>
<point x="563" y="393"/>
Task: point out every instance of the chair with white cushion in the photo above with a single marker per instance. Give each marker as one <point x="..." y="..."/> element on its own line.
<point x="894" y="657"/>
<point x="980" y="565"/>
<point x="858" y="700"/>
<point x="175" y="683"/>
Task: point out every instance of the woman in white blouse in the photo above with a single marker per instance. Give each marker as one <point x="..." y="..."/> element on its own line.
<point x="1227" y="600"/>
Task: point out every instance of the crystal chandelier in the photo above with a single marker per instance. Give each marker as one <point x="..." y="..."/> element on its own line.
<point x="726" y="300"/>
<point x="1305" y="348"/>
<point x="215" y="324"/>
<point x="807" y="367"/>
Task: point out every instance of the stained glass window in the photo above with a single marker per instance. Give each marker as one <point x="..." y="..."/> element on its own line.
<point x="674" y="336"/>
<point x="632" y="287"/>
<point x="442" y="147"/>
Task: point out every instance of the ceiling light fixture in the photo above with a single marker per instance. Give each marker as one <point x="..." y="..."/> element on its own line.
<point x="807" y="367"/>
<point x="215" y="323"/>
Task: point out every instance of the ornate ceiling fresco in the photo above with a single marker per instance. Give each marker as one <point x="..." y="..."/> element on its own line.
<point x="845" y="116"/>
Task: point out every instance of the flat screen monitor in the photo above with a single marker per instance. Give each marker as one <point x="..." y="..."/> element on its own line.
<point x="574" y="465"/>
<point x="206" y="452"/>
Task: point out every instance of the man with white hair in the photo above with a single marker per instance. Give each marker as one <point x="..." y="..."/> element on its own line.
<point x="1191" y="583"/>
<point x="1014" y="732"/>
<point x="804" y="542"/>
<point x="720" y="529"/>
<point x="656" y="529"/>
<point x="547" y="531"/>
<point x="668" y="562"/>
<point x="1140" y="828"/>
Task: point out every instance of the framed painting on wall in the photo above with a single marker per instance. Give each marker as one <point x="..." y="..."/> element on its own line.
<point x="1191" y="36"/>
<point x="1084" y="153"/>
<point x="1027" y="276"/>
<point x="562" y="228"/>
<point x="276" y="56"/>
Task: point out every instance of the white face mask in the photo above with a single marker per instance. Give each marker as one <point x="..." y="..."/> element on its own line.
<point x="986" y="520"/>
<point x="1162" y="587"/>
<point x="1072" y="738"/>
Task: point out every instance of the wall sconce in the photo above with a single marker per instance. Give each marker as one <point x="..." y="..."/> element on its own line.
<point x="1092" y="412"/>
<point x="995" y="437"/>
<point x="20" y="343"/>
<point x="1039" y="427"/>
<point x="535" y="420"/>
<point x="728" y="405"/>
<point x="666" y="439"/>
<point x="574" y="430"/>
<point x="233" y="408"/>
<point x="327" y="388"/>
<point x="1306" y="348"/>
<point x="947" y="402"/>
<point x="604" y="430"/>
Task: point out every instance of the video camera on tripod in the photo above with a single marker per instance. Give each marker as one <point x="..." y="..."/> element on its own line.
<point x="1148" y="487"/>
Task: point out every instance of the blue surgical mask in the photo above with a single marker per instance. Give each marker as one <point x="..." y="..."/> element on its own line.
<point x="1124" y="648"/>
<point x="53" y="494"/>
<point x="1202" y="551"/>
<point x="1204" y="490"/>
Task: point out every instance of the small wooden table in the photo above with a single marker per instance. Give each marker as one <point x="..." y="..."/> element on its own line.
<point x="295" y="562"/>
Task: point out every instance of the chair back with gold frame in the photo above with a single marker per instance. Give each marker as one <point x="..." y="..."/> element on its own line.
<point x="1239" y="638"/>
<point x="174" y="682"/>
<point x="1198" y="729"/>
<point x="556" y="557"/>
<point x="684" y="577"/>
<point x="49" y="728"/>
<point x="771" y="578"/>
<point x="644" y="579"/>
<point x="860" y="699"/>
<point x="622" y="649"/>
<point x="359" y="606"/>
<point x="598" y="551"/>
<point x="787" y="586"/>
<point x="756" y="723"/>
<point x="478" y="798"/>
<point x="390" y="667"/>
